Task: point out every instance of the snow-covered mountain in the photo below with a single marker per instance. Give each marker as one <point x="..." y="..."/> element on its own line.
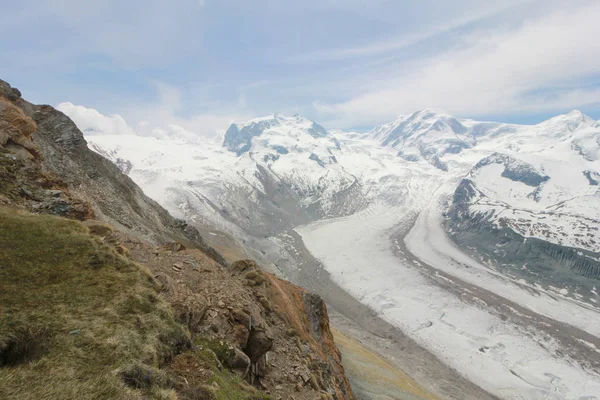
<point x="512" y="209"/>
<point x="270" y="174"/>
<point x="274" y="173"/>
<point x="429" y="135"/>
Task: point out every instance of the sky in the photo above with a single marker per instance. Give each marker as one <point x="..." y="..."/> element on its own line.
<point x="195" y="66"/>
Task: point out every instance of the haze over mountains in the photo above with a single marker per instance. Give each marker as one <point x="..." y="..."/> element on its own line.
<point x="511" y="209"/>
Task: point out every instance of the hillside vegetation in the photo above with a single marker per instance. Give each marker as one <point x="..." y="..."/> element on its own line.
<point x="79" y="321"/>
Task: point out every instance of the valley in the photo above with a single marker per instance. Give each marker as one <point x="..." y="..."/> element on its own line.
<point x="446" y="244"/>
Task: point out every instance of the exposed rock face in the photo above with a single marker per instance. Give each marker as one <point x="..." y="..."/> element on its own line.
<point x="531" y="258"/>
<point x="592" y="177"/>
<point x="16" y="129"/>
<point x="87" y="176"/>
<point x="304" y="323"/>
<point x="317" y="313"/>
<point x="238" y="137"/>
<point x="24" y="181"/>
<point x="516" y="215"/>
<point x="514" y="169"/>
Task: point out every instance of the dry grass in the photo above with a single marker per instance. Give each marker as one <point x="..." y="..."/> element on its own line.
<point x="75" y="317"/>
<point x="14" y="121"/>
<point x="79" y="321"/>
<point x="366" y="367"/>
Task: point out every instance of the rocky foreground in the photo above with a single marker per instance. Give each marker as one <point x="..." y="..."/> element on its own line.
<point x="243" y="334"/>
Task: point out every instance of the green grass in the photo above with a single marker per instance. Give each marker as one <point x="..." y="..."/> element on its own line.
<point x="78" y="321"/>
<point x="75" y="317"/>
<point x="231" y="386"/>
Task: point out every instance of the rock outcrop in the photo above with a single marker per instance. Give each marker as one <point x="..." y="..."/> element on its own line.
<point x="500" y="244"/>
<point x="47" y="140"/>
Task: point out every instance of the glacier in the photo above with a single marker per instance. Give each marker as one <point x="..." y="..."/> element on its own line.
<point x="479" y="240"/>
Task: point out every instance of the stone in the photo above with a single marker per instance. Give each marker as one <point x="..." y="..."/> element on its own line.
<point x="304" y="376"/>
<point x="191" y="312"/>
<point x="241" y="335"/>
<point x="242" y="317"/>
<point x="314" y="383"/>
<point x="259" y="343"/>
<point x="166" y="284"/>
<point x="177" y="247"/>
<point x="122" y="250"/>
<point x="262" y="365"/>
<point x="241" y="362"/>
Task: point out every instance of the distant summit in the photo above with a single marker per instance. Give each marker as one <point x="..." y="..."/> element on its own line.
<point x="238" y="137"/>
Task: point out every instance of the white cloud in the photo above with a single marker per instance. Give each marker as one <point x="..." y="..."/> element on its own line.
<point x="387" y="46"/>
<point x="491" y="72"/>
<point x="130" y="33"/>
<point x="91" y="122"/>
<point x="159" y="119"/>
<point x="166" y="113"/>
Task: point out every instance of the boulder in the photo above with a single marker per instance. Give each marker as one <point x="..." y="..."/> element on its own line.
<point x="239" y="315"/>
<point x="241" y="334"/>
<point x="259" y="343"/>
<point x="241" y="362"/>
<point x="166" y="284"/>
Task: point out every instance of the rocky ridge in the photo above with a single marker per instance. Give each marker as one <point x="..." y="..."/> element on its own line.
<point x="271" y="333"/>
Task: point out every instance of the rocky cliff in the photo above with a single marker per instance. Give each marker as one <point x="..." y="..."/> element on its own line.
<point x="43" y="139"/>
<point x="241" y="324"/>
<point x="501" y="243"/>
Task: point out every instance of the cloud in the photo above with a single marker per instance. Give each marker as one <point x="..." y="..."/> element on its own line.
<point x="540" y="66"/>
<point x="167" y="112"/>
<point x="131" y="34"/>
<point x="91" y="122"/>
<point x="406" y="40"/>
<point x="158" y="119"/>
<point x="341" y="62"/>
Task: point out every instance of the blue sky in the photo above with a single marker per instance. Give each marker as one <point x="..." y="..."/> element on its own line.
<point x="201" y="64"/>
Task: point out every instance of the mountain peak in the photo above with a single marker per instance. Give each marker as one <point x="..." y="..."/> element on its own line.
<point x="432" y="112"/>
<point x="566" y="123"/>
<point x="238" y="137"/>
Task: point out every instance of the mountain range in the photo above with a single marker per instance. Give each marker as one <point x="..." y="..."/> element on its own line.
<point x="509" y="213"/>
<point x="516" y="184"/>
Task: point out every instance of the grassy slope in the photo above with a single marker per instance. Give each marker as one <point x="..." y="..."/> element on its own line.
<point x="78" y="321"/>
<point x="73" y="314"/>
